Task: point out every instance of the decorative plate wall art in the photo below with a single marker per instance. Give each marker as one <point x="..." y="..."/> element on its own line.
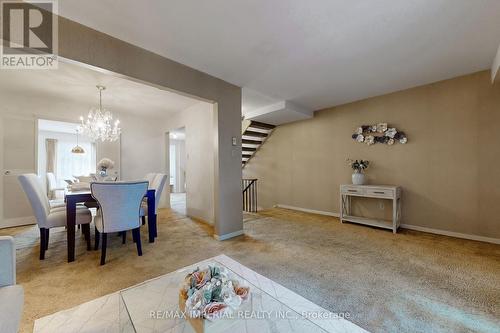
<point x="379" y="133"/>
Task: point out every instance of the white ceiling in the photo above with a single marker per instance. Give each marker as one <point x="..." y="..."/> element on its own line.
<point x="314" y="53"/>
<point x="77" y="84"/>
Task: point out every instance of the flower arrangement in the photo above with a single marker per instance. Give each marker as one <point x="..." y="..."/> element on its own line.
<point x="358" y="166"/>
<point x="387" y="135"/>
<point x="105" y="164"/>
<point x="212" y="293"/>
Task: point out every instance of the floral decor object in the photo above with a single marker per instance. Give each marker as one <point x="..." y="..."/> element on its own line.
<point x="388" y="135"/>
<point x="358" y="166"/>
<point x="358" y="177"/>
<point x="212" y="293"/>
<point x="104" y="165"/>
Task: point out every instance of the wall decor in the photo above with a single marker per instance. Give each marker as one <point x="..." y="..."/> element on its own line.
<point x="379" y="133"/>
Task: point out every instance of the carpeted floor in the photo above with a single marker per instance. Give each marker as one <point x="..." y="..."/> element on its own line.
<point x="409" y="282"/>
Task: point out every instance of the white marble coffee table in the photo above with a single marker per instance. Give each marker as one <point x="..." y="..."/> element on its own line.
<point x="148" y="307"/>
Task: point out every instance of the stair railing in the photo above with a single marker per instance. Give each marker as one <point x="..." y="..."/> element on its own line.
<point x="249" y="187"/>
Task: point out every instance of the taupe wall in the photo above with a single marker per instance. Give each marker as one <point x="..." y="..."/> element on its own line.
<point x="198" y="121"/>
<point x="449" y="170"/>
<point x="85" y="45"/>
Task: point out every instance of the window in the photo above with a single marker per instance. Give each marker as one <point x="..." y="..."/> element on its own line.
<point x="70" y="165"/>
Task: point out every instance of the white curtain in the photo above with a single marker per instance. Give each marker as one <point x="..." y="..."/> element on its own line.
<point x="70" y="165"/>
<point x="51" y="151"/>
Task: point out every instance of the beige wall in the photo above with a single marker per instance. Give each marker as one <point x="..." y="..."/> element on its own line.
<point x="449" y="170"/>
<point x="200" y="158"/>
<point x="82" y="44"/>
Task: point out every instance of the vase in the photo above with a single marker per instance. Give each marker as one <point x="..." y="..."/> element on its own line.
<point x="358" y="178"/>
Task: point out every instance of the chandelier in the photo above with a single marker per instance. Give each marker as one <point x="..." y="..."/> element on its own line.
<point x="99" y="125"/>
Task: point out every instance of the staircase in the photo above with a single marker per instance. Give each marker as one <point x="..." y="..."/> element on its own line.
<point x="254" y="134"/>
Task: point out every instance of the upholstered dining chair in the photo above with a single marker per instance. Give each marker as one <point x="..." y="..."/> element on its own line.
<point x="47" y="217"/>
<point x="52" y="186"/>
<point x="120" y="205"/>
<point x="158" y="184"/>
<point x="150" y="177"/>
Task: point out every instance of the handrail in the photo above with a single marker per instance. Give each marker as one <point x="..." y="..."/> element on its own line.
<point x="249" y="187"/>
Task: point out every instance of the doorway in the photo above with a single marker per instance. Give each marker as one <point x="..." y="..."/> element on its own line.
<point x="56" y="155"/>
<point x="177" y="158"/>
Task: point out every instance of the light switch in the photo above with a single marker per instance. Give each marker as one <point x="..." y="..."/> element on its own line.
<point x="235" y="141"/>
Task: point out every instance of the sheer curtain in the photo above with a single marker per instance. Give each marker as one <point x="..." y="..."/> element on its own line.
<point x="70" y="165"/>
<point x="51" y="151"/>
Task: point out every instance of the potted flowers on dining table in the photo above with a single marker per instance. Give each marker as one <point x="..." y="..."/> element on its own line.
<point x="104" y="165"/>
<point x="358" y="176"/>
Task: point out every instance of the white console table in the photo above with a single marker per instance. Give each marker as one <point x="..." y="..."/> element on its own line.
<point x="392" y="193"/>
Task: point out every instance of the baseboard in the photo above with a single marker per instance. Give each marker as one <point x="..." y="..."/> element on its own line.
<point x="451" y="233"/>
<point x="306" y="210"/>
<point x="228" y="236"/>
<point x="17" y="222"/>
<point x="405" y="226"/>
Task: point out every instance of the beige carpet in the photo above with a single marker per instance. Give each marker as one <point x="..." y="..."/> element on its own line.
<point x="409" y="282"/>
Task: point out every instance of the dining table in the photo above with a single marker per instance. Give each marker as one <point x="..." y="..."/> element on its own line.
<point x="72" y="198"/>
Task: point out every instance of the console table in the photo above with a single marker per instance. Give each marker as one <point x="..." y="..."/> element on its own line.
<point x="392" y="193"/>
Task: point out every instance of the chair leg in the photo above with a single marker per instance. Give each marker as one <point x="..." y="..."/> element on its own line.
<point x="47" y="233"/>
<point x="124" y="237"/>
<point x="86" y="231"/>
<point x="97" y="237"/>
<point x="43" y="236"/>
<point x="103" y="248"/>
<point x="143" y="220"/>
<point x="137" y="237"/>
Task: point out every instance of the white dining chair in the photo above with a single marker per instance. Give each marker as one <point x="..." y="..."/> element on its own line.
<point x="150" y="177"/>
<point x="158" y="184"/>
<point x="47" y="217"/>
<point x="52" y="186"/>
<point x="120" y="205"/>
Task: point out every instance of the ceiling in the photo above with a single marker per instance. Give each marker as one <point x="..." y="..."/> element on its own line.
<point x="313" y="53"/>
<point x="77" y="84"/>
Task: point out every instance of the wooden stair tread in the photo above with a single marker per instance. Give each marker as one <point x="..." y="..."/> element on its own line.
<point x="248" y="149"/>
<point x="250" y="142"/>
<point x="256" y="134"/>
<point x="258" y="124"/>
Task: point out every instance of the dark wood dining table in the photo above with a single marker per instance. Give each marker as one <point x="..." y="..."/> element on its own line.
<point x="73" y="198"/>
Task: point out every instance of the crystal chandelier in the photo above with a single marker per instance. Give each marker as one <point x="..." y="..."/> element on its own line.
<point x="99" y="125"/>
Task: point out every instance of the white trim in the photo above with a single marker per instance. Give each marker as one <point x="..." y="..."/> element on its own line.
<point x="17" y="222"/>
<point x="229" y="235"/>
<point x="452" y="234"/>
<point x="405" y="226"/>
<point x="306" y="210"/>
<point x="495" y="73"/>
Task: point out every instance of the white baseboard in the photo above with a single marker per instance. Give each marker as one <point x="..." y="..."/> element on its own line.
<point x="17" y="222"/>
<point x="451" y="233"/>
<point x="306" y="210"/>
<point x="405" y="226"/>
<point x="228" y="236"/>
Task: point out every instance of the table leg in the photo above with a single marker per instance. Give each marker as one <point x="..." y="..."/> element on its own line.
<point x="70" y="228"/>
<point x="151" y="217"/>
